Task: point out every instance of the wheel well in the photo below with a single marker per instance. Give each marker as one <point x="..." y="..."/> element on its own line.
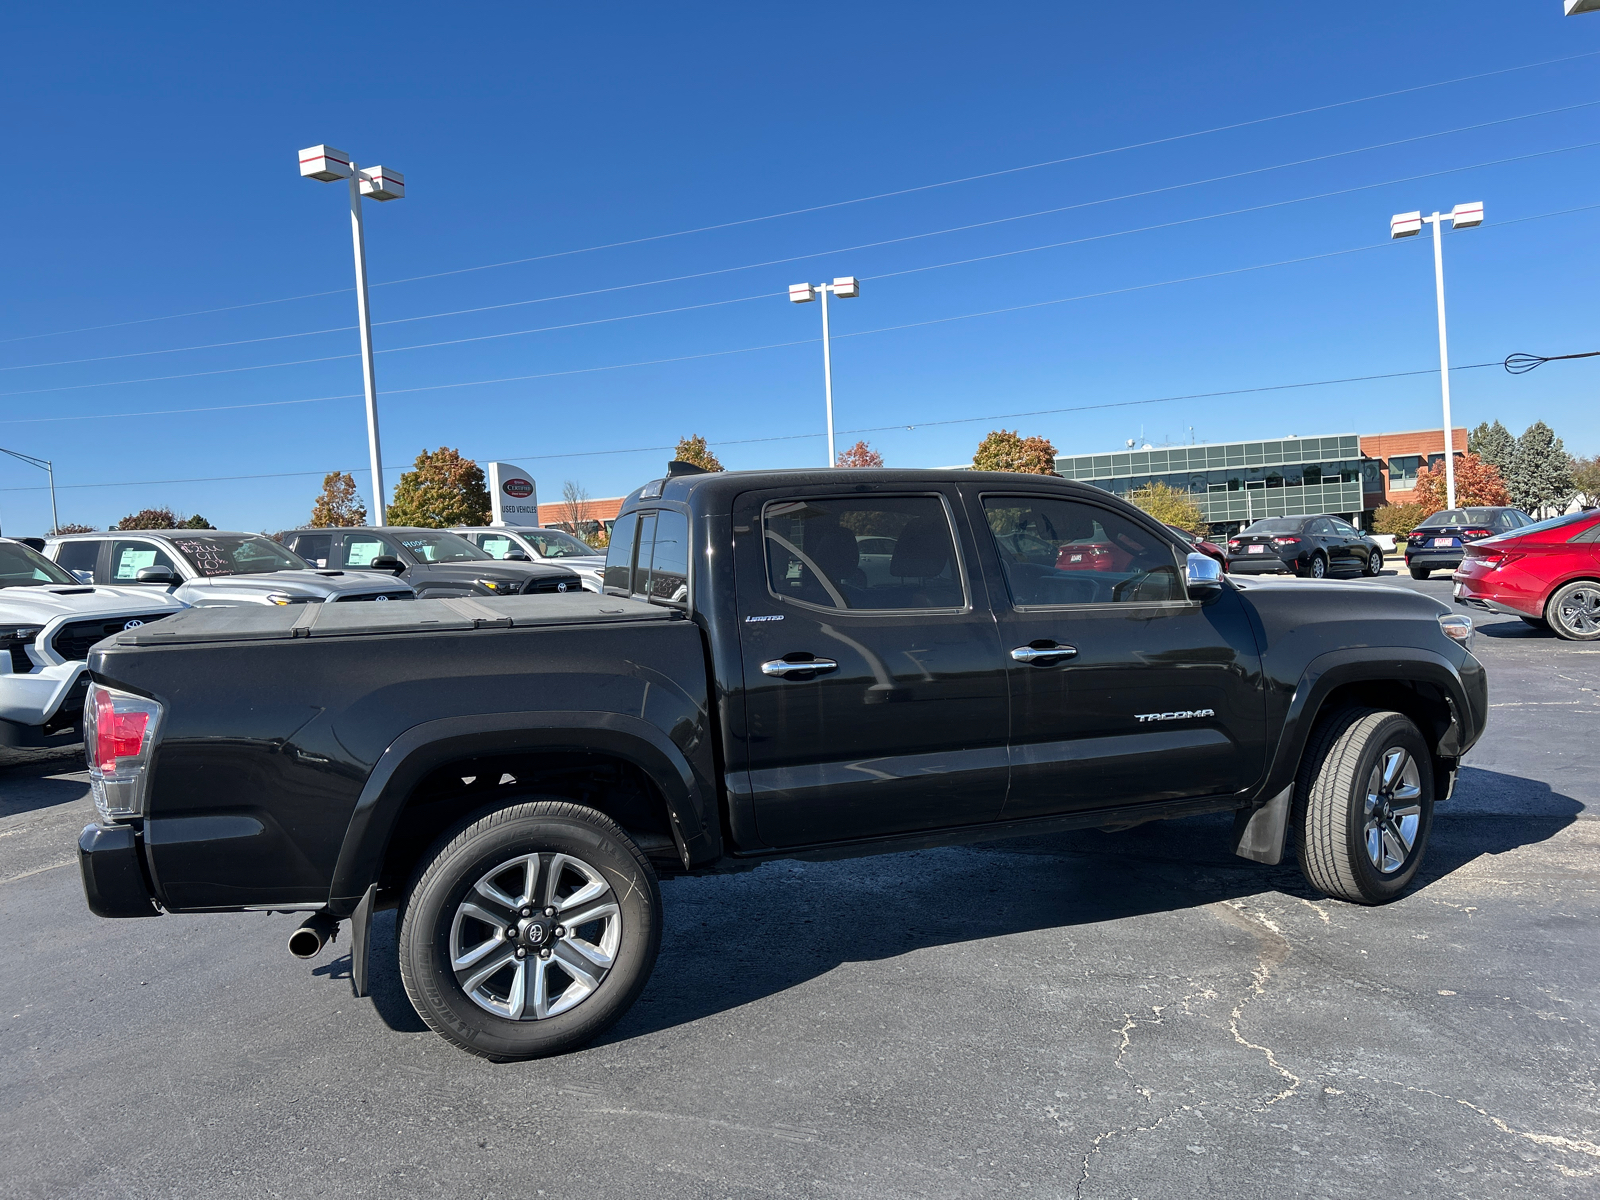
<point x="1425" y="703"/>
<point x="618" y="788"/>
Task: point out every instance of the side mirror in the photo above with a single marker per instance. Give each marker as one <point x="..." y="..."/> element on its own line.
<point x="162" y="575"/>
<point x="518" y="556"/>
<point x="387" y="562"/>
<point x="1204" y="576"/>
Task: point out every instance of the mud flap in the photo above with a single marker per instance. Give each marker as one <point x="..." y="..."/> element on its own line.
<point x="360" y="938"/>
<point x="1259" y="833"/>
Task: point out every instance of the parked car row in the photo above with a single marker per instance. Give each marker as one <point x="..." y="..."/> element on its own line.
<point x="61" y="595"/>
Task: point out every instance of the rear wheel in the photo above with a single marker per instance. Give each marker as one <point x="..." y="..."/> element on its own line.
<point x="529" y="930"/>
<point x="1318" y="568"/>
<point x="1420" y="572"/>
<point x="1574" y="611"/>
<point x="1373" y="563"/>
<point x="1363" y="805"/>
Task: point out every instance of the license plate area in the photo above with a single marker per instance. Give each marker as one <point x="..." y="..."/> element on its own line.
<point x="1256" y="549"/>
<point x="1444" y="541"/>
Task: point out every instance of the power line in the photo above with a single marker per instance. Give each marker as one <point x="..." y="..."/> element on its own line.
<point x="838" y="203"/>
<point x="1235" y="175"/>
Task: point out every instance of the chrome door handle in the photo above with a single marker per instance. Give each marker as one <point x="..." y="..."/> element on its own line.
<point x="782" y="667"/>
<point x="1038" y="654"/>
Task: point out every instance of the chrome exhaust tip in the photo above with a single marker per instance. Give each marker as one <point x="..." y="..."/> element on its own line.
<point x="315" y="932"/>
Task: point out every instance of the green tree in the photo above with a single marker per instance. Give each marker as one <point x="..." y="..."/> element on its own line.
<point x="1541" y="471"/>
<point x="693" y="449"/>
<point x="1586" y="479"/>
<point x="338" y="504"/>
<point x="1169" y="505"/>
<point x="1004" y="450"/>
<point x="196" y="522"/>
<point x="441" y="490"/>
<point x="149" y="518"/>
<point x="1495" y="445"/>
<point x="860" y="455"/>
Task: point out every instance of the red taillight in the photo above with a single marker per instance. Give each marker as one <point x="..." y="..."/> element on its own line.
<point x="1288" y="541"/>
<point x="117" y="735"/>
<point x="1477" y="533"/>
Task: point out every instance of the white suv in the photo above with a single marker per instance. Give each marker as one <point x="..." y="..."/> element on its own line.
<point x="539" y="545"/>
<point x="48" y="622"/>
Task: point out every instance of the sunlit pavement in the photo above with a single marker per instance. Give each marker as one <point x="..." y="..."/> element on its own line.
<point x="1135" y="1014"/>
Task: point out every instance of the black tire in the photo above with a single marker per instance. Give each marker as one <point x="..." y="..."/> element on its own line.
<point x="1373" y="563"/>
<point x="1420" y="572"/>
<point x="1319" y="567"/>
<point x="1573" y="611"/>
<point x="1347" y="753"/>
<point x="538" y="830"/>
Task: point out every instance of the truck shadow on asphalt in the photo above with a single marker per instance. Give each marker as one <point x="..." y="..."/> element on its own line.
<point x="731" y="940"/>
<point x="34" y="779"/>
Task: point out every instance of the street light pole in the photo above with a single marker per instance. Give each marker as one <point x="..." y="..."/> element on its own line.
<point x="378" y="183"/>
<point x="1463" y="216"/>
<point x="45" y="465"/>
<point x="846" y="288"/>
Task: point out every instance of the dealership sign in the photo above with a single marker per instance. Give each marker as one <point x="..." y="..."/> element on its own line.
<point x="513" y="496"/>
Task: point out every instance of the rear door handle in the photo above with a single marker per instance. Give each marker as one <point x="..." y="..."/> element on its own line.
<point x="1043" y="655"/>
<point x="783" y="668"/>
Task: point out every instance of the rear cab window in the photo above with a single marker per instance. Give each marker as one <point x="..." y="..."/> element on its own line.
<point x="648" y="558"/>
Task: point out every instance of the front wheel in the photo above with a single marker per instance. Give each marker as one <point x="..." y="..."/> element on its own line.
<point x="530" y="930"/>
<point x="1574" y="611"/>
<point x="1363" y="805"/>
<point x="1373" y="564"/>
<point x="1420" y="572"/>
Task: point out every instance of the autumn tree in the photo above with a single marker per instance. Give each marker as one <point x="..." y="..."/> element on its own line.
<point x="1397" y="519"/>
<point x="860" y="455"/>
<point x="149" y="518"/>
<point x="1004" y="450"/>
<point x="1586" y="479"/>
<point x="1541" y="471"/>
<point x="1478" y="485"/>
<point x="337" y="505"/>
<point x="1169" y="505"/>
<point x="61" y="529"/>
<point x="442" y="489"/>
<point x="693" y="449"/>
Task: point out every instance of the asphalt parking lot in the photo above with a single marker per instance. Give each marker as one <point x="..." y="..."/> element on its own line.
<point x="1138" y="1014"/>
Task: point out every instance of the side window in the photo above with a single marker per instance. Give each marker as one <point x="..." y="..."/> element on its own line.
<point x="129" y="558"/>
<point x="619" y="555"/>
<point x="1346" y="529"/>
<point x="361" y="548"/>
<point x="1066" y="552"/>
<point x="869" y="552"/>
<point x="667" y="575"/>
<point x="78" y="556"/>
<point x="1321" y="526"/>
<point x="496" y="545"/>
<point x="314" y="547"/>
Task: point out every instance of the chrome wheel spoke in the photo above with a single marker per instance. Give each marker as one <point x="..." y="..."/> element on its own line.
<point x="517" y="998"/>
<point x="1394" y="762"/>
<point x="471" y="983"/>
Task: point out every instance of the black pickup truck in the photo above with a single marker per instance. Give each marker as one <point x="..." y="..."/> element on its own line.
<point x="801" y="664"/>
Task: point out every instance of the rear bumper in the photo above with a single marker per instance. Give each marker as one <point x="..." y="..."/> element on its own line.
<point x="1476" y="592"/>
<point x="1434" y="560"/>
<point x="1258" y="564"/>
<point x="113" y="872"/>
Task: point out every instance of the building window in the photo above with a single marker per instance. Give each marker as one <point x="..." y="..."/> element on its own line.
<point x="1403" y="471"/>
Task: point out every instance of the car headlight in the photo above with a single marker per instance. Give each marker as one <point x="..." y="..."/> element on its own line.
<point x="14" y="642"/>
<point x="502" y="587"/>
<point x="279" y="598"/>
<point x="119" y="733"/>
<point x="1457" y="627"/>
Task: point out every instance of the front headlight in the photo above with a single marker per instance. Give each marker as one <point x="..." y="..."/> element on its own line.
<point x="14" y="643"/>
<point x="1457" y="627"/>
<point x="501" y="587"/>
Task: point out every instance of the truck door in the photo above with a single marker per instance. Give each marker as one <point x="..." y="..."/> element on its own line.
<point x="1123" y="690"/>
<point x="874" y="685"/>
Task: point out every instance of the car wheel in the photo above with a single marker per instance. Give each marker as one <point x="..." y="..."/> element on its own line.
<point x="1374" y="563"/>
<point x="1574" y="611"/>
<point x="1318" y="568"/>
<point x="529" y="930"/>
<point x="1363" y="805"/>
<point x="1420" y="572"/>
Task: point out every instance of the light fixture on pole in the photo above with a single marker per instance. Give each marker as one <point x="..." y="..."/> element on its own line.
<point x="376" y="183"/>
<point x="1574" y="7"/>
<point x="846" y="287"/>
<point x="44" y="465"/>
<point x="1462" y="216"/>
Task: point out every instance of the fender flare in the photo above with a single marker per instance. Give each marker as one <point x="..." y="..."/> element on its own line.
<point x="422" y="748"/>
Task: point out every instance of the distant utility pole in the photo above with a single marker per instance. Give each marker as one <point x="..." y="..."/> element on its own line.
<point x="44" y="465"/>
<point x="377" y="183"/>
<point x="1463" y="216"/>
<point x="846" y="288"/>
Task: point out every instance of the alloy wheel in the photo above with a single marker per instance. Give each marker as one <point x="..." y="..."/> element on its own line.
<point x="1578" y="611"/>
<point x="1393" y="810"/>
<point x="1319" y="567"/>
<point x="535" y="936"/>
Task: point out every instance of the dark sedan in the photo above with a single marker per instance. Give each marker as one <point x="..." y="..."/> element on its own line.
<point x="437" y="563"/>
<point x="1435" y="545"/>
<point x="1314" y="547"/>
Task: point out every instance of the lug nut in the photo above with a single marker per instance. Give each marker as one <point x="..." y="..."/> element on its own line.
<point x="521" y="953"/>
<point x="549" y="912"/>
<point x="510" y="933"/>
<point x="560" y="932"/>
<point x="527" y="912"/>
<point x="545" y="953"/>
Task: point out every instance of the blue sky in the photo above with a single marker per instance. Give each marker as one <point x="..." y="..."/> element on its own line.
<point x="154" y="174"/>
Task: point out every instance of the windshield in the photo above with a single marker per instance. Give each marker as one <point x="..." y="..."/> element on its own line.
<point x="552" y="543"/>
<point x="1277" y="525"/>
<point x="23" y="566"/>
<point x="441" y="547"/>
<point x="214" y="554"/>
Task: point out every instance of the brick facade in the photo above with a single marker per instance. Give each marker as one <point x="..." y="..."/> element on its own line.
<point x="1387" y="481"/>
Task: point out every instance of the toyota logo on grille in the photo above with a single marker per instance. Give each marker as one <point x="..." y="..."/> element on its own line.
<point x="380" y="597"/>
<point x="561" y="587"/>
<point x="133" y="624"/>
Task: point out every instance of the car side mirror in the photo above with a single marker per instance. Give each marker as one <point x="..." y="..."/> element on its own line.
<point x="162" y="575"/>
<point x="387" y="562"/>
<point x="1203" y="575"/>
<point x="518" y="556"/>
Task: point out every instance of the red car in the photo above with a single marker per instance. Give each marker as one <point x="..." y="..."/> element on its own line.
<point x="1200" y="546"/>
<point x="1548" y="574"/>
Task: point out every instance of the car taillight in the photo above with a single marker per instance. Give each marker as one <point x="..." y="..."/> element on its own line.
<point x="1492" y="557"/>
<point x="119" y="732"/>
<point x="1288" y="541"/>
<point x="1477" y="533"/>
<point x="1233" y="543"/>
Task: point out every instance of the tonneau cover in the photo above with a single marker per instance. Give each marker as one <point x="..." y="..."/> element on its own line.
<point x="250" y="623"/>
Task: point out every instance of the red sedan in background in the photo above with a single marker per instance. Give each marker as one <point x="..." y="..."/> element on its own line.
<point x="1548" y="574"/>
<point x="1200" y="546"/>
